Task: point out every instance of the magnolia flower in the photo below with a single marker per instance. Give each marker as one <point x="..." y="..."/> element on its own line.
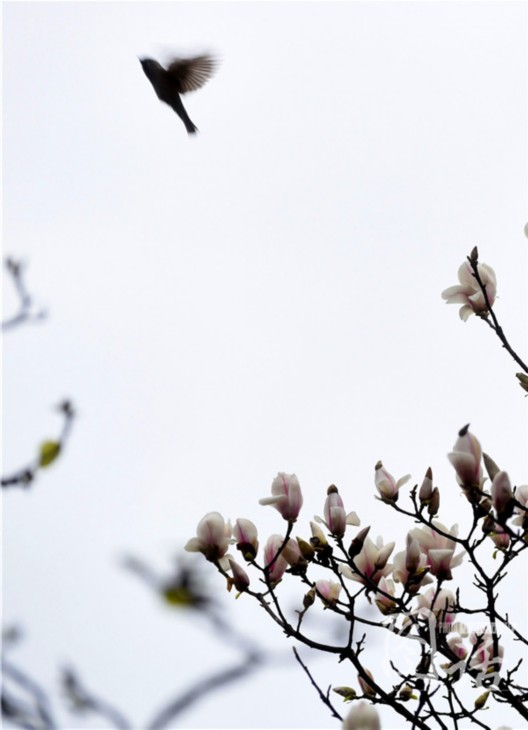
<point x="292" y="554"/>
<point x="328" y="591"/>
<point x="246" y="536"/>
<point x="456" y="644"/>
<point x="287" y="496"/>
<point x="318" y="538"/>
<point x="440" y="604"/>
<point x="440" y="563"/>
<point x="466" y="457"/>
<point x="385" y="604"/>
<point x="468" y="292"/>
<point x="483" y="658"/>
<point x="370" y="563"/>
<point x="213" y="536"/>
<point x="410" y="566"/>
<point x="502" y="496"/>
<point x="501" y="539"/>
<point x="362" y="716"/>
<point x="521" y="496"/>
<point x="280" y="564"/>
<point x="386" y="484"/>
<point x="438" y="549"/>
<point x="240" y="577"/>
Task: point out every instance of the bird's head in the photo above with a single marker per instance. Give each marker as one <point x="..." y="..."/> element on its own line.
<point x="149" y="66"/>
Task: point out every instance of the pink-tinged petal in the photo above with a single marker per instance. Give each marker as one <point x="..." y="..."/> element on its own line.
<point x="292" y="553"/>
<point x="365" y="685"/>
<point x="213" y="537"/>
<point x="456" y="644"/>
<point x="279" y="563"/>
<point x="466" y="458"/>
<point x="502" y="495"/>
<point x="287" y="496"/>
<point x="327" y="590"/>
<point x="440" y="604"/>
<point x="240" y="577"/>
<point x="334" y="512"/>
<point x="246" y="537"/>
<point x="440" y="563"/>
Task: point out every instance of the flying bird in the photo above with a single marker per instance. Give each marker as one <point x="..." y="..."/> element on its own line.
<point x="180" y="76"/>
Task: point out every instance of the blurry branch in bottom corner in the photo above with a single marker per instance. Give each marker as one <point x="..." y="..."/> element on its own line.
<point x="82" y="701"/>
<point x="31" y="710"/>
<point x="184" y="589"/>
<point x="26" y="309"/>
<point x="48" y="452"/>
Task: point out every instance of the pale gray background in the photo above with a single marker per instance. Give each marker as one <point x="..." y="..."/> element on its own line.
<point x="263" y="297"/>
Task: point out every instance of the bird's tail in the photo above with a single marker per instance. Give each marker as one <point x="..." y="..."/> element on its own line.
<point x="190" y="127"/>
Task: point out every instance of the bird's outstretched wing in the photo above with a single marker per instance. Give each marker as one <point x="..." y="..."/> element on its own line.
<point x="191" y="73"/>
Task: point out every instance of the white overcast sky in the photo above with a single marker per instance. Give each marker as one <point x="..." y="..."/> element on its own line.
<point x="262" y="297"/>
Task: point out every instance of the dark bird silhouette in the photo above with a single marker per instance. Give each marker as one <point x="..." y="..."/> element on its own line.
<point x="182" y="75"/>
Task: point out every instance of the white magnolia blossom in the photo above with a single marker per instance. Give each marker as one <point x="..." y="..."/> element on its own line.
<point x="362" y="716"/>
<point x="468" y="292"/>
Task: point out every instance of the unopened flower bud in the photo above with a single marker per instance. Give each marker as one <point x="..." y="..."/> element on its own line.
<point x="426" y="490"/>
<point x="306" y="549"/>
<point x="523" y="380"/>
<point x="348" y="693"/>
<point x="386" y="484"/>
<point x="309" y="598"/>
<point x="434" y="503"/>
<point x="502" y="496"/>
<point x="481" y="700"/>
<point x="240" y="577"/>
<point x="406" y="693"/>
<point x="357" y="543"/>
<point x="465" y="458"/>
<point x="334" y="512"/>
<point x="366" y="687"/>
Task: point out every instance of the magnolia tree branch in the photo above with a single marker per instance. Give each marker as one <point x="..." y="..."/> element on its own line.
<point x="35" y="712"/>
<point x="48" y="452"/>
<point x="412" y="593"/>
<point x="82" y="701"/>
<point x="26" y="309"/>
<point x="494" y="324"/>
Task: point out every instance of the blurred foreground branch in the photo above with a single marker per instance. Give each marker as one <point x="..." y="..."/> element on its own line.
<point x="48" y="452"/>
<point x="26" y="308"/>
